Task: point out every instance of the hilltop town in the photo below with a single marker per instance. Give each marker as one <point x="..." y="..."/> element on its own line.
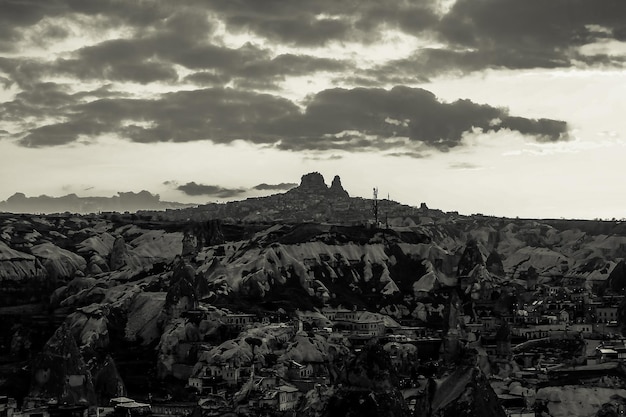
<point x="310" y="303"/>
<point x="311" y="201"/>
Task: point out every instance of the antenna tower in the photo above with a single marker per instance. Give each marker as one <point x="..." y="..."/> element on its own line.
<point x="375" y="204"/>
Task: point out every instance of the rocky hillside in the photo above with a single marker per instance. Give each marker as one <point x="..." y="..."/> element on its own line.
<point x="121" y="286"/>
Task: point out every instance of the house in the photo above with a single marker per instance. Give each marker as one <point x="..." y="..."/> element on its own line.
<point x="282" y="398"/>
<point x="584" y="328"/>
<point x="605" y="354"/>
<point x="296" y="370"/>
<point x="361" y="324"/>
<point x="314" y="318"/>
<point x="239" y="320"/>
<point x="173" y="409"/>
<point x="230" y="374"/>
<point x="605" y="314"/>
<point x="288" y="397"/>
<point x="207" y="384"/>
<point x="345" y="315"/>
<point x="331" y="313"/>
<point x="214" y="376"/>
<point x="540" y="330"/>
<point x="124" y="408"/>
<point x="553" y="291"/>
<point x="611" y="351"/>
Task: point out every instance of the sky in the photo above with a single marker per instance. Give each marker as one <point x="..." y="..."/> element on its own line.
<point x="501" y="107"/>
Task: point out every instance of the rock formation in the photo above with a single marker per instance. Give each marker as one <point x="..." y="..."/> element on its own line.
<point x="60" y="263"/>
<point x="312" y="183"/>
<point x="369" y="384"/>
<point x="466" y="393"/>
<point x="336" y="189"/>
<point x="59" y="372"/>
<point x="494" y="264"/>
<point x="119" y="254"/>
<point x="470" y="259"/>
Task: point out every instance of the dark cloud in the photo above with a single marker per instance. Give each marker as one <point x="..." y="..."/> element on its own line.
<point x="134" y="71"/>
<point x="378" y="118"/>
<point x="281" y="186"/>
<point x="412" y="17"/>
<point x="43" y="100"/>
<point x="61" y="133"/>
<point x="474" y="35"/>
<point x="52" y="100"/>
<point x="17" y="15"/>
<point x="426" y="63"/>
<point x="319" y="22"/>
<point x="290" y="64"/>
<point x="288" y="22"/>
<point x="152" y="57"/>
<point x="221" y="115"/>
<point x="544" y="130"/>
<point x="335" y="119"/>
<point x="207" y="78"/>
<point x="514" y="34"/>
<point x="193" y="189"/>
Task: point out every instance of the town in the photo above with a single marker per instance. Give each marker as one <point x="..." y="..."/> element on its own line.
<point x="525" y="334"/>
<point x="415" y="312"/>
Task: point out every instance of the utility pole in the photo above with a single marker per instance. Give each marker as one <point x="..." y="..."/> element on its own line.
<point x="375" y="204"/>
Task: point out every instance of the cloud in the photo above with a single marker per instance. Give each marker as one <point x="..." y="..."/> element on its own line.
<point x="193" y="189"/>
<point x="168" y="37"/>
<point x="17" y="15"/>
<point x="512" y="34"/>
<point x="158" y="36"/>
<point x="271" y="187"/>
<point x="335" y="119"/>
<point x="357" y="118"/>
<point x="161" y="42"/>
<point x="123" y="201"/>
<point x="464" y="166"/>
<point x="324" y="21"/>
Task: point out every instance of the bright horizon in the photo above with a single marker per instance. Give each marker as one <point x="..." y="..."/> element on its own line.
<point x="495" y="107"/>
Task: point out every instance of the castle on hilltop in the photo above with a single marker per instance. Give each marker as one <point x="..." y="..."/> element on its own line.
<point x="313" y="183"/>
<point x="311" y="201"/>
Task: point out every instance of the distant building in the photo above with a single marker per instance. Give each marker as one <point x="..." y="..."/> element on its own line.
<point x="173" y="409"/>
<point x="281" y="398"/>
<point x="360" y="323"/>
<point x="127" y="407"/>
<point x="230" y="374"/>
<point x="296" y="370"/>
<point x="606" y="314"/>
<point x="240" y="320"/>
